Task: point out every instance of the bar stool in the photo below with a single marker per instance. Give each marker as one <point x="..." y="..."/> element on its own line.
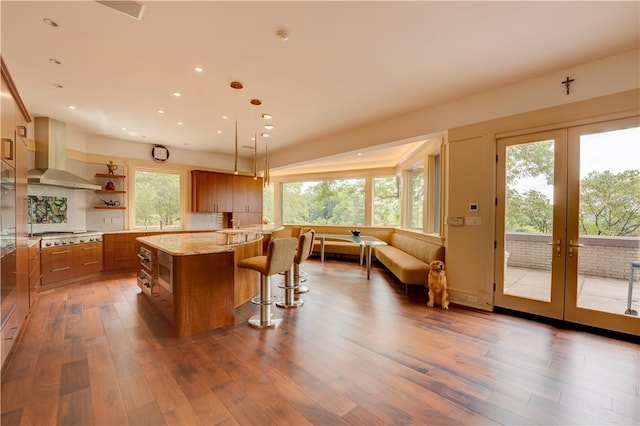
<point x="303" y="250"/>
<point x="299" y="276"/>
<point x="279" y="258"/>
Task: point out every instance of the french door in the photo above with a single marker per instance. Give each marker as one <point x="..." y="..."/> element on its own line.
<point x="568" y="224"/>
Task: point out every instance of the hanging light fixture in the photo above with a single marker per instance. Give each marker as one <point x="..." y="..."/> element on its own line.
<point x="255" y="102"/>
<point x="237" y="86"/>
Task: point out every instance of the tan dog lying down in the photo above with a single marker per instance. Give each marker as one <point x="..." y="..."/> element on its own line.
<point x="438" y="284"/>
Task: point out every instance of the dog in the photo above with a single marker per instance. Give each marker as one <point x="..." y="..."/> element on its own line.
<point x="437" y="283"/>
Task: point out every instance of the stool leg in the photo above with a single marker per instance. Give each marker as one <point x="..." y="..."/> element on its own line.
<point x="289" y="291"/>
<point x="299" y="288"/>
<point x="265" y="318"/>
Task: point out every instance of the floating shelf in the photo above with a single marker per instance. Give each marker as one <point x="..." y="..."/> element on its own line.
<point x="107" y="175"/>
<point x="109" y="208"/>
<point x="110" y="191"/>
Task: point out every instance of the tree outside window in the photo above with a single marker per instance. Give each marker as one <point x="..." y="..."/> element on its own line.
<point x="334" y="202"/>
<point x="416" y="188"/>
<point x="157" y="199"/>
<point x="386" y="201"/>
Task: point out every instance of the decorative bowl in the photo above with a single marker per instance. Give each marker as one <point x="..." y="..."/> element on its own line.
<point x="355" y="232"/>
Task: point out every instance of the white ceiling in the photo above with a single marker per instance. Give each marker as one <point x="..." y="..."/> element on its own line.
<point x="345" y="65"/>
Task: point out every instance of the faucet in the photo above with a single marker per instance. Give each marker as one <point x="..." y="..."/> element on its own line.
<point x="235" y="223"/>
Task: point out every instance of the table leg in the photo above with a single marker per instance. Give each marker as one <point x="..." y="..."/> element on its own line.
<point x="368" y="260"/>
<point x="361" y="253"/>
<point x="630" y="311"/>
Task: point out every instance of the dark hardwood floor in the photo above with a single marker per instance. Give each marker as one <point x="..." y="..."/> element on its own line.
<point x="358" y="352"/>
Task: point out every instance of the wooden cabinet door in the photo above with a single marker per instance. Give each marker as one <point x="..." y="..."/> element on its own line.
<point x="120" y="251"/>
<point x="87" y="258"/>
<point x="211" y="192"/>
<point x="57" y="264"/>
<point x="34" y="273"/>
<point x="8" y="126"/>
<point x="247" y="194"/>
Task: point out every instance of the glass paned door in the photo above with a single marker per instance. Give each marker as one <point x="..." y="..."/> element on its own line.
<point x="604" y="225"/>
<point x="568" y="225"/>
<point x="530" y="223"/>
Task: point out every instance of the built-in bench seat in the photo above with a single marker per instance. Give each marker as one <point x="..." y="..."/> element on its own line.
<point x="407" y="254"/>
<point x="408" y="257"/>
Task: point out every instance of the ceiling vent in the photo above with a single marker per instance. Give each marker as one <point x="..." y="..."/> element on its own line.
<point x="130" y="8"/>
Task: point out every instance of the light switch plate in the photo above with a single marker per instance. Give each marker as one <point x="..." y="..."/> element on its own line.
<point x="473" y="220"/>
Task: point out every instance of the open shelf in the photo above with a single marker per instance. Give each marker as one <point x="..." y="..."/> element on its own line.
<point x="107" y="175"/>
<point x="110" y="208"/>
<point x="110" y="191"/>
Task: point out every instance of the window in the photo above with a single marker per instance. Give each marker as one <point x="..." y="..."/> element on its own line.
<point x="157" y="199"/>
<point x="416" y="198"/>
<point x="386" y="201"/>
<point x="335" y="202"/>
<point x="435" y="214"/>
<point x="268" y="203"/>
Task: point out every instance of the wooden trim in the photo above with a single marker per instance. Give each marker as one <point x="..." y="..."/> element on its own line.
<point x="13" y="90"/>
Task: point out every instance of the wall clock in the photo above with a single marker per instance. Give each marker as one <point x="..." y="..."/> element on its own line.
<point x="160" y="153"/>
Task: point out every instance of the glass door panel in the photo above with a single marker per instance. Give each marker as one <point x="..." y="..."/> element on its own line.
<point x="531" y="222"/>
<point x="604" y="225"/>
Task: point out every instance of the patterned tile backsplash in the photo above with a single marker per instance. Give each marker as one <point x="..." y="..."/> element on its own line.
<point x="47" y="209"/>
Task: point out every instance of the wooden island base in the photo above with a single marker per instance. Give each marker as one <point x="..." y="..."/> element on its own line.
<point x="202" y="285"/>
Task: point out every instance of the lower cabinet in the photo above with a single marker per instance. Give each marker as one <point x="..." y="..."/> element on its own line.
<point x="163" y="299"/>
<point x="120" y="251"/>
<point x="66" y="264"/>
<point x="35" y="274"/>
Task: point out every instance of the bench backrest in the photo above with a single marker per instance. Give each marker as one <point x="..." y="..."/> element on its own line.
<point x="423" y="250"/>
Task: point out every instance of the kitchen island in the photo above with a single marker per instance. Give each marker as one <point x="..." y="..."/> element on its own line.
<point x="193" y="279"/>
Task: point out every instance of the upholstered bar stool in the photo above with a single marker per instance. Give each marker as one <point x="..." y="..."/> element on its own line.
<point x="305" y="241"/>
<point x="299" y="276"/>
<point x="279" y="258"/>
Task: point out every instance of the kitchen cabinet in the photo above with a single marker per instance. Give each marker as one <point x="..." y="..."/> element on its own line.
<point x="87" y="259"/>
<point x="247" y="200"/>
<point x="57" y="264"/>
<point x="118" y="185"/>
<point x="14" y="298"/>
<point x="211" y="192"/>
<point x="120" y="251"/>
<point x="35" y="274"/>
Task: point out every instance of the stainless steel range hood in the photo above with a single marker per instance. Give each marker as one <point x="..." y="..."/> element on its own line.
<point x="51" y="157"/>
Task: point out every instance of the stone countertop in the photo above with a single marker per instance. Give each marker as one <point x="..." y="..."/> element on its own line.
<point x="264" y="229"/>
<point x="187" y="244"/>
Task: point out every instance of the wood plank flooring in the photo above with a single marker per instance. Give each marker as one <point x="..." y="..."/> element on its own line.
<point x="357" y="352"/>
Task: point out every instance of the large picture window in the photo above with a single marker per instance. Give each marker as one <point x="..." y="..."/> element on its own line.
<point x="416" y="198"/>
<point x="334" y="202"/>
<point x="386" y="201"/>
<point x="157" y="199"/>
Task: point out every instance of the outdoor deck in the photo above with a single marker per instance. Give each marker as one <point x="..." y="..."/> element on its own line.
<point x="598" y="293"/>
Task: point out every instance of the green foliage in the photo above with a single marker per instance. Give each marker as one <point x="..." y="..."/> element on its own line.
<point x="157" y="198"/>
<point x="386" y="201"/>
<point x="336" y="202"/>
<point x="610" y="203"/>
<point x="530" y="159"/>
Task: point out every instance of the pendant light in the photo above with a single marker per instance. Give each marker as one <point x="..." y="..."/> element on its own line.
<point x="255" y="102"/>
<point x="237" y="86"/>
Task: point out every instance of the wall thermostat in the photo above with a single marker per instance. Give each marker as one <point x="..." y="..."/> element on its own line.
<point x="473" y="207"/>
<point x="160" y="153"/>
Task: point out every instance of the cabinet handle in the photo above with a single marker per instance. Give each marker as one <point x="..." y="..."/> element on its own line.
<point x="59" y="252"/>
<point x="10" y="142"/>
<point x="89" y="248"/>
<point x="90" y="263"/>
<point x="15" y="329"/>
<point x="60" y="269"/>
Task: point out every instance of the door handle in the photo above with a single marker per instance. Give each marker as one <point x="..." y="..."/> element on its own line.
<point x="572" y="245"/>
<point x="558" y="245"/>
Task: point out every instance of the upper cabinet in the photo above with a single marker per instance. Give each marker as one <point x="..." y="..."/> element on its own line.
<point x="211" y="192"/>
<point x="247" y="194"/>
<point x="8" y="126"/>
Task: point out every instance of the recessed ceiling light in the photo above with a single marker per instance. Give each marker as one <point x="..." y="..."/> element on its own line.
<point x="160" y="111"/>
<point x="180" y="123"/>
<point x="59" y="86"/>
<point x="225" y="117"/>
<point x="267" y="116"/>
<point x="50" y="22"/>
<point x="256" y="102"/>
<point x="55" y="61"/>
<point x="269" y="126"/>
<point x="264" y="135"/>
<point x="282" y="34"/>
<point x="177" y="94"/>
<point x="124" y="128"/>
<point x="198" y="69"/>
<point x="71" y="107"/>
<point x="219" y="131"/>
